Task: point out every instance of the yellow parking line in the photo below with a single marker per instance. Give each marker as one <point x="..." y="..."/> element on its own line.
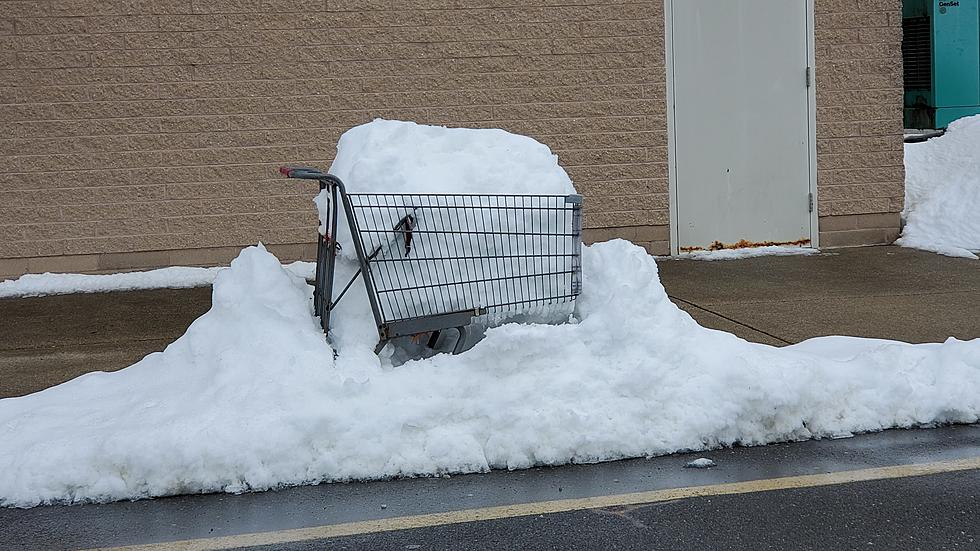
<point x="557" y="506"/>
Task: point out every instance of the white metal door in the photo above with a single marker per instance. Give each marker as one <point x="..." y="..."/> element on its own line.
<point x="741" y="121"/>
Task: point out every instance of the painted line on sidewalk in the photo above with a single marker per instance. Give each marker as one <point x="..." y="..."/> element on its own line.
<point x="557" y="506"/>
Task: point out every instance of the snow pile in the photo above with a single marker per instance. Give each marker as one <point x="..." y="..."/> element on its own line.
<point x="404" y="157"/>
<point x="175" y="277"/>
<point x="410" y="164"/>
<point x="748" y="252"/>
<point x="251" y="397"/>
<point x="942" y="192"/>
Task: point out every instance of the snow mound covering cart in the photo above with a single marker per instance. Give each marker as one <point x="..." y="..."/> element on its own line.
<point x="437" y="261"/>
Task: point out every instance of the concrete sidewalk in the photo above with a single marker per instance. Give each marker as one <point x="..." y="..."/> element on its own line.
<point x="49" y="340"/>
<point x="883" y="292"/>
<point x="879" y="292"/>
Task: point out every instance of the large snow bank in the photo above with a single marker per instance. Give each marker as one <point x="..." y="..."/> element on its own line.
<point x="251" y="397"/>
<point x="942" y="192"/>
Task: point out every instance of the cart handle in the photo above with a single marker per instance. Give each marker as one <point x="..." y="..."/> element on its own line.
<point x="306" y="173"/>
<point x="310" y="173"/>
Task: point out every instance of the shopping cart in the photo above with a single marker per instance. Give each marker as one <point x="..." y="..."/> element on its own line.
<point x="432" y="262"/>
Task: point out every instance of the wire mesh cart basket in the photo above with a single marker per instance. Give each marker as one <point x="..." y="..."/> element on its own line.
<point x="432" y="262"/>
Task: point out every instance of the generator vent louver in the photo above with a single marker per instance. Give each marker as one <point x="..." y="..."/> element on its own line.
<point x="917" y="53"/>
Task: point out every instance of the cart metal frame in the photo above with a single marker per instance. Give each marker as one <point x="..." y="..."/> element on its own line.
<point x="432" y="262"/>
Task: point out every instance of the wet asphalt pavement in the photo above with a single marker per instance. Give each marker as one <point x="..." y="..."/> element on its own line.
<point x="921" y="513"/>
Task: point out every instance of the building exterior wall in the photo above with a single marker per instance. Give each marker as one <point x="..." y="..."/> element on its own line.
<point x="860" y="170"/>
<point x="145" y="133"/>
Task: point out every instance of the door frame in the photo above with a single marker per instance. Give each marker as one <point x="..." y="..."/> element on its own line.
<point x="671" y="139"/>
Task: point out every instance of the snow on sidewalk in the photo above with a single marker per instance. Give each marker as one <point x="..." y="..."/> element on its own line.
<point x="942" y="192"/>
<point x="251" y="397"/>
<point x="174" y="277"/>
<point x="746" y="252"/>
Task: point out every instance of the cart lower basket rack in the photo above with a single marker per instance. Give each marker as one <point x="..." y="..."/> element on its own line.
<point x="432" y="262"/>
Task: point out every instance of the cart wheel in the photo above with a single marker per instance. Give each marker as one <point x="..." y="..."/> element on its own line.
<point x="433" y="339"/>
<point x="461" y="340"/>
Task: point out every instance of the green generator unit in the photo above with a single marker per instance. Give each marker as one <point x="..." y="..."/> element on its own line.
<point x="941" y="51"/>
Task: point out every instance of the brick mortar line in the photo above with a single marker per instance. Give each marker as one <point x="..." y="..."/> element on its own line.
<point x="129" y="218"/>
<point x="357" y="95"/>
<point x="834" y="91"/>
<point x="544" y="22"/>
<point x="596" y="5"/>
<point x="332" y="128"/>
<point x="332" y="111"/>
<point x="299" y="193"/>
<point x="318" y="44"/>
<point x="172" y="233"/>
<point x="272" y="213"/>
<point x="518" y="9"/>
<point x="229" y="198"/>
<point x="146" y="167"/>
<point x="571" y="150"/>
<point x="269" y="164"/>
<point x="354" y="77"/>
<point x="402" y="58"/>
<point x="352" y="93"/>
<point x="206" y="248"/>
<point x="237" y="181"/>
<point x="890" y="182"/>
<point x="851" y="121"/>
<point x="359" y="60"/>
<point x="293" y="130"/>
<point x="287" y="80"/>
<point x="203" y="115"/>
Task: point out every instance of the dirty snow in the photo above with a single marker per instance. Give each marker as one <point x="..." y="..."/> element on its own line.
<point x="251" y="396"/>
<point x="174" y="277"/>
<point x="942" y="192"/>
<point x="700" y="463"/>
<point x="748" y="252"/>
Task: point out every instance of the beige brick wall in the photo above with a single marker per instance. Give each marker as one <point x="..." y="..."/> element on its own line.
<point x="860" y="173"/>
<point x="155" y="126"/>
